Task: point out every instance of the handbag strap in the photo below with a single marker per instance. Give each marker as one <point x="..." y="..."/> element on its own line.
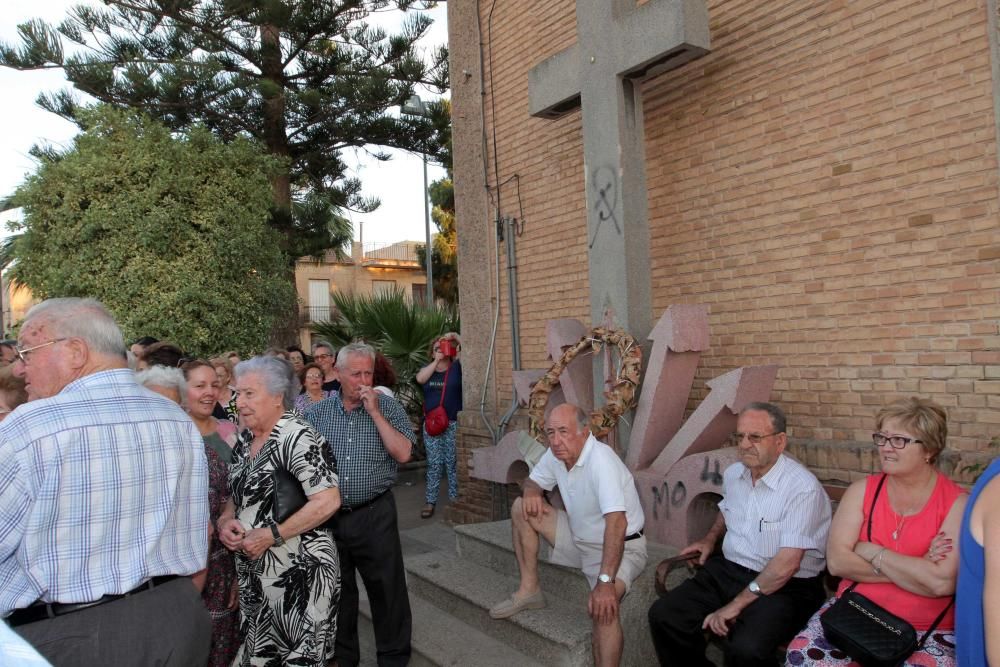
<point x="871" y="516"/>
<point x="444" y="385"/>
<point x="936" y="621"/>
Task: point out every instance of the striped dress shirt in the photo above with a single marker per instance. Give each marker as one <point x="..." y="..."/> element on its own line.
<point x="102" y="486"/>
<point x="787" y="507"/>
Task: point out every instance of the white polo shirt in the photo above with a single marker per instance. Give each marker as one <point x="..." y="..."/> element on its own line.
<point x="599" y="483"/>
<point x="786" y="508"/>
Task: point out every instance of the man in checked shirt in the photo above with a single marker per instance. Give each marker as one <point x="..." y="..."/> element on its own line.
<point x="775" y="516"/>
<point x="103" y="502"/>
<point x="370" y="434"/>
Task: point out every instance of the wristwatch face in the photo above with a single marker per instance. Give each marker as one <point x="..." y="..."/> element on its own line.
<point x="754" y="588"/>
<point x="604" y="578"/>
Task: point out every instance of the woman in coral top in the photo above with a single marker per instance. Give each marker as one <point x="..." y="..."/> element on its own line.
<point x="910" y="565"/>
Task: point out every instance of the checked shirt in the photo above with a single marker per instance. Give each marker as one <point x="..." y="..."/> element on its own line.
<point x="102" y="486"/>
<point x="365" y="466"/>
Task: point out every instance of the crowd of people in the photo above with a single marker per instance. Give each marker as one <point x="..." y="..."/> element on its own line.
<point x="156" y="508"/>
<point x="161" y="509"/>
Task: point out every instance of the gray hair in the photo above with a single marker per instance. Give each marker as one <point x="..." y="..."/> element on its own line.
<point x="580" y="415"/>
<point x="166" y="377"/>
<point x="277" y="374"/>
<point x="321" y="343"/>
<point x="774" y="412"/>
<point x="87" y="319"/>
<point x="355" y="350"/>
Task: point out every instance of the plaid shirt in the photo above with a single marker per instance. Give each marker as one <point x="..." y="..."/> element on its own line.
<point x="102" y="486"/>
<point x="365" y="467"/>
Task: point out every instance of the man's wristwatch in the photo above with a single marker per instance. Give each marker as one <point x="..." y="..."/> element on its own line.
<point x="278" y="540"/>
<point x="605" y="578"/>
<point x="754" y="588"/>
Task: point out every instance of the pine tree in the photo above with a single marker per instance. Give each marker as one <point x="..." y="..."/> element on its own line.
<point x="306" y="78"/>
<point x="444" y="244"/>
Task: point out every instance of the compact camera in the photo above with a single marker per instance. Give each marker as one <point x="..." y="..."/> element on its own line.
<point x="448" y="347"/>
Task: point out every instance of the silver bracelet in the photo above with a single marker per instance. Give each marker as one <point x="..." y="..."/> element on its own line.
<point x="878" y="557"/>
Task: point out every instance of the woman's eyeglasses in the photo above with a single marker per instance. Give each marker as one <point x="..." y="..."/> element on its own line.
<point x="895" y="441"/>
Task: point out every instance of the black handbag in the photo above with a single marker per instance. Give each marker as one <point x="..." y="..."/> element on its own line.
<point x="288" y="494"/>
<point x="865" y="631"/>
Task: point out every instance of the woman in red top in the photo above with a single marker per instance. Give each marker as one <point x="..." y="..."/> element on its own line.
<point x="910" y="565"/>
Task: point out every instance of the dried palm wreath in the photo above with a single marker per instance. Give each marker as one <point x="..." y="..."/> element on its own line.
<point x="618" y="400"/>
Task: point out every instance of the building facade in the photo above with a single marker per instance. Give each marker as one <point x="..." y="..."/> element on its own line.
<point x="371" y="268"/>
<point x="825" y="179"/>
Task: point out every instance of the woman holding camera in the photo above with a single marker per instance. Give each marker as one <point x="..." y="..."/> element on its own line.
<point x="441" y="380"/>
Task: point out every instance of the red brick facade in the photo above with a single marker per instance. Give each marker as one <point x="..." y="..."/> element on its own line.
<point x="825" y="180"/>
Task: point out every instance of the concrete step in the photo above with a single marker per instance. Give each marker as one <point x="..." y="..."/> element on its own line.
<point x="441" y="640"/>
<point x="556" y="635"/>
<point x="489" y="545"/>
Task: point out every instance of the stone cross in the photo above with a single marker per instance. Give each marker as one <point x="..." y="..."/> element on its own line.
<point x="618" y="43"/>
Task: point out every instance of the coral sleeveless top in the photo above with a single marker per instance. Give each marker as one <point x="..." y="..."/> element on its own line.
<point x="912" y="538"/>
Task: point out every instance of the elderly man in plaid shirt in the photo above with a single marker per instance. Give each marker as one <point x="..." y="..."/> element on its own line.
<point x="370" y="434"/>
<point x="103" y="502"/>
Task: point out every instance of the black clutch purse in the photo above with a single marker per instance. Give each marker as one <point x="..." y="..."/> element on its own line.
<point x="867" y="632"/>
<point x="288" y="494"/>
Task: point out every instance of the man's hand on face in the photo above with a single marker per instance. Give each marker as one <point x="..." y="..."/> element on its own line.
<point x="369" y="399"/>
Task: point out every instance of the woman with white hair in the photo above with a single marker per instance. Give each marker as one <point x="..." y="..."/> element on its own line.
<point x="288" y="571"/>
<point x="168" y="382"/>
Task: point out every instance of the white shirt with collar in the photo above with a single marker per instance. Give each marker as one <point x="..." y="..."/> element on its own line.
<point x="599" y="483"/>
<point x="787" y="507"/>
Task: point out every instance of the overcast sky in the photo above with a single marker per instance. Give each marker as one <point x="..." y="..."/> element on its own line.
<point x="398" y="183"/>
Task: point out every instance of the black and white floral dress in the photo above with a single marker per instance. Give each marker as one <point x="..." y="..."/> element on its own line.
<point x="289" y="596"/>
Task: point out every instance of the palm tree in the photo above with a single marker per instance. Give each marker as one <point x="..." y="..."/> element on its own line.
<point x="401" y="329"/>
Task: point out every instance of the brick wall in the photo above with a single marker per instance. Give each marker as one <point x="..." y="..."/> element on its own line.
<point x="541" y="176"/>
<point x="825" y="180"/>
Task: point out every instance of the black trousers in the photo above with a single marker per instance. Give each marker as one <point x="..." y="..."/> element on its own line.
<point x="368" y="542"/>
<point x="167" y="625"/>
<point x="675" y="619"/>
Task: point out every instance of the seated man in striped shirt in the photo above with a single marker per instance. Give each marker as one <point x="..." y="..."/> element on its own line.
<point x="775" y="516"/>
<point x="103" y="502"/>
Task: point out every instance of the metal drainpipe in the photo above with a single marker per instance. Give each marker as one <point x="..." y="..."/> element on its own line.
<point x="515" y="325"/>
<point x="493" y="335"/>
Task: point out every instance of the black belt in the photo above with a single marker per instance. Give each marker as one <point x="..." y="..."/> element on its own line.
<point x="347" y="509"/>
<point x="43" y="610"/>
<point x="634" y="536"/>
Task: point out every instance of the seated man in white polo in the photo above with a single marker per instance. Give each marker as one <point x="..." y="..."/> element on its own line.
<point x="600" y="532"/>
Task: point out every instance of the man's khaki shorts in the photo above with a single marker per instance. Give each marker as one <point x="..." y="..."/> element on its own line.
<point x="586" y="556"/>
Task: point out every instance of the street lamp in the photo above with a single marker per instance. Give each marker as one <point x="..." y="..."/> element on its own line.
<point x="416" y="107"/>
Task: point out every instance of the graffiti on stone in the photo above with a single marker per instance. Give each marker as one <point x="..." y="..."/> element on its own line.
<point x="605" y="182"/>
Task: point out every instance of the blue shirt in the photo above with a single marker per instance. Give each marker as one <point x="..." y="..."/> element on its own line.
<point x="452" y="391"/>
<point x="15" y="652"/>
<point x="366" y="469"/>
<point x="102" y="486"/>
<point x="970" y="629"/>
